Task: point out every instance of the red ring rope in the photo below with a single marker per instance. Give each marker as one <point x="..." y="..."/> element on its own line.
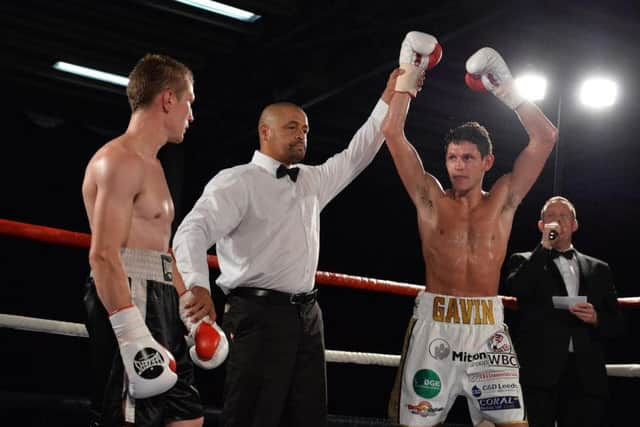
<point x="83" y="240"/>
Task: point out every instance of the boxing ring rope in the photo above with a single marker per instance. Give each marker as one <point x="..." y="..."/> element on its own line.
<point x="57" y="327"/>
<point x="83" y="240"/>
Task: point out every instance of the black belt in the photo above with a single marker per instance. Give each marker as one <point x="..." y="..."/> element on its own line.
<point x="276" y="297"/>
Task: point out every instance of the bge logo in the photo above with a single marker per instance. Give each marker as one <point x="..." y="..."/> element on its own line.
<point x="426" y="383"/>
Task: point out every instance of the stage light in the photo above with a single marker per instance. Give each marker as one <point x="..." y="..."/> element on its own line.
<point x="598" y="92"/>
<point x="531" y="86"/>
<point x="222" y="9"/>
<point x="91" y="73"/>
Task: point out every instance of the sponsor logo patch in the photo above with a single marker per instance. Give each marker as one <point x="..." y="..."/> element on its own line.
<point x="500" y="387"/>
<point x="507" y="360"/>
<point x="423" y="408"/>
<point x="148" y="363"/>
<point x="167" y="268"/>
<point x="426" y="383"/>
<point x="499" y="343"/>
<point x="475" y="391"/>
<point x="439" y="349"/>
<point x="492" y="375"/>
<point x="499" y="403"/>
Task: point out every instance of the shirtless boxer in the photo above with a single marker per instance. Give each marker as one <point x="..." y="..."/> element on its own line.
<point x="135" y="320"/>
<point x="457" y="343"/>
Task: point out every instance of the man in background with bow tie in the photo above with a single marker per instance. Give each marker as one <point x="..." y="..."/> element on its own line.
<point x="562" y="365"/>
<point x="264" y="218"/>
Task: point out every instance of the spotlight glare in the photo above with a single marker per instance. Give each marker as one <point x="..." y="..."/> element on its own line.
<point x="531" y="86"/>
<point x="598" y="92"/>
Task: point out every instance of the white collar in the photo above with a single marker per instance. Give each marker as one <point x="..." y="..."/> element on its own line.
<point x="267" y="163"/>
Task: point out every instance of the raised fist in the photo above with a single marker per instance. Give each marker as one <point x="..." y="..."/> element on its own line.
<point x="486" y="70"/>
<point x="419" y="52"/>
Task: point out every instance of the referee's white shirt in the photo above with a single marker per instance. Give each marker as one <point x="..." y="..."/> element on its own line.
<point x="266" y="230"/>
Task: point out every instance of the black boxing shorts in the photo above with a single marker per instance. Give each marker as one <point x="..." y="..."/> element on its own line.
<point x="153" y="293"/>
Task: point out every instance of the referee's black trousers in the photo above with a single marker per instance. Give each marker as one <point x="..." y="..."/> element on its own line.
<point x="275" y="371"/>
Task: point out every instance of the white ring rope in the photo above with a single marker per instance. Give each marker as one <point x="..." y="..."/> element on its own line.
<point x="362" y="358"/>
<point x="628" y="370"/>
<point x="57" y="327"/>
<point x="31" y="324"/>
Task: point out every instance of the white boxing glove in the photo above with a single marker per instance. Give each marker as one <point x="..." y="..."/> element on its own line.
<point x="419" y="52"/>
<point x="208" y="345"/>
<point x="150" y="368"/>
<point x="486" y="70"/>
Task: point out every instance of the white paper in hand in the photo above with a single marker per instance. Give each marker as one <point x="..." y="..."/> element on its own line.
<point x="564" y="303"/>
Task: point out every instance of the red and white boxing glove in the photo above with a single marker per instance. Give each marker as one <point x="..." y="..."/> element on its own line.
<point x="150" y="367"/>
<point x="486" y="70"/>
<point x="419" y="52"/>
<point x="208" y="345"/>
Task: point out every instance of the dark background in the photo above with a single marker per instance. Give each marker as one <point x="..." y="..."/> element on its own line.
<point x="333" y="58"/>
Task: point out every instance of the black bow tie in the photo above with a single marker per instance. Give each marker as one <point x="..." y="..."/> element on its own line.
<point x="567" y="254"/>
<point x="292" y="172"/>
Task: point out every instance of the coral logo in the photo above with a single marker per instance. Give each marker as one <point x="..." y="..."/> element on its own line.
<point x="499" y="403"/>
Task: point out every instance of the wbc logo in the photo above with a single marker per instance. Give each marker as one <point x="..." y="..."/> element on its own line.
<point x="499" y="343"/>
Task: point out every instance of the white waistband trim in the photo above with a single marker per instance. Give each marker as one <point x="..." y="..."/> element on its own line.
<point x="147" y="264"/>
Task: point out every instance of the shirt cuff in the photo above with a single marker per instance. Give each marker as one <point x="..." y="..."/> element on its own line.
<point x="379" y="111"/>
<point x="195" y="279"/>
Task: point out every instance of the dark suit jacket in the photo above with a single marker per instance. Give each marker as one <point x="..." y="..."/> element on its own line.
<point x="542" y="339"/>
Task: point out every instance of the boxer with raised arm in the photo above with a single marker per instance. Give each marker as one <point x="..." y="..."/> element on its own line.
<point x="458" y="344"/>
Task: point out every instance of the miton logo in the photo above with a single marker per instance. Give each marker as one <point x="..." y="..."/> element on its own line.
<point x="426" y="383"/>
